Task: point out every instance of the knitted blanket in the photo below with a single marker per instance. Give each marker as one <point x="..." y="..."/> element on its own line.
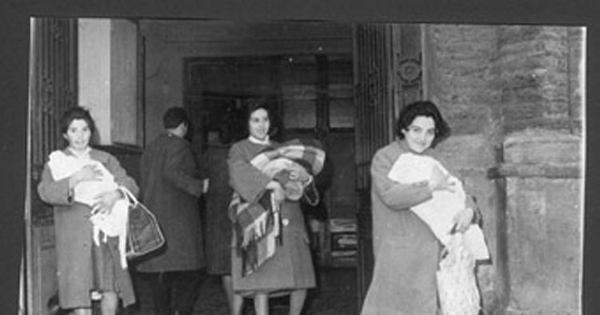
<point x="257" y="222"/>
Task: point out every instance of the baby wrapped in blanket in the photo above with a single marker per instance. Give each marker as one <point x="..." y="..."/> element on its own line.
<point x="257" y="224"/>
<point x="438" y="212"/>
<point x="457" y="287"/>
<point x="112" y="224"/>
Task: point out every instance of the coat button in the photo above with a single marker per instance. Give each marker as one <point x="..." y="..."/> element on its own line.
<point x="285" y="222"/>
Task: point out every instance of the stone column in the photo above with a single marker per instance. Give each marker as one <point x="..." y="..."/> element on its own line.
<point x="544" y="230"/>
<point x="541" y="233"/>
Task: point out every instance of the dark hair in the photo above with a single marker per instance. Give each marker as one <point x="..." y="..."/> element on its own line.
<point x="427" y="109"/>
<point x="174" y="116"/>
<point x="253" y="104"/>
<point x="74" y="113"/>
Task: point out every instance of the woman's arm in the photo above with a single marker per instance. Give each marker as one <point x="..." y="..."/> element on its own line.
<point x="54" y="192"/>
<point x="472" y="204"/>
<point x="471" y="214"/>
<point x="105" y="201"/>
<point x="244" y="178"/>
<point x="394" y="195"/>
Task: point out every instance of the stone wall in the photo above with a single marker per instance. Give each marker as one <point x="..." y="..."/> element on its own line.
<point x="539" y="79"/>
<point x="512" y="95"/>
<point x="462" y="80"/>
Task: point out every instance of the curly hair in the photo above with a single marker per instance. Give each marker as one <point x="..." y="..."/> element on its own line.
<point x="73" y="113"/>
<point x="427" y="109"/>
<point x="253" y="104"/>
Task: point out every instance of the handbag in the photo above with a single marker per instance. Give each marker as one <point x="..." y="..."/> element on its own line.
<point x="144" y="234"/>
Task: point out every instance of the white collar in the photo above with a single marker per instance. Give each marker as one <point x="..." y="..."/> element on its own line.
<point x="258" y="141"/>
<point x="85" y="154"/>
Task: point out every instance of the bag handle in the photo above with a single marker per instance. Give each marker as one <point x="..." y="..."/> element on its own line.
<point x="309" y="190"/>
<point x="129" y="196"/>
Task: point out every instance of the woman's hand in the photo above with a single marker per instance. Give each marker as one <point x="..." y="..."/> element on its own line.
<point x="277" y="190"/>
<point x="105" y="202"/>
<point x="299" y="174"/>
<point x="86" y="173"/>
<point x="440" y="180"/>
<point x="462" y="220"/>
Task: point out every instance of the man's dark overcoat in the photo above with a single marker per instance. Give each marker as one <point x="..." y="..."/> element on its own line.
<point x="170" y="189"/>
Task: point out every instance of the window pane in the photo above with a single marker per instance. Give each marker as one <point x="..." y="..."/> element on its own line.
<point x="299" y="114"/>
<point x="341" y="113"/>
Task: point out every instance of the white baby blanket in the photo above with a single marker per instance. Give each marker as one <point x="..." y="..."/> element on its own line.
<point x="439" y="211"/>
<point x="114" y="224"/>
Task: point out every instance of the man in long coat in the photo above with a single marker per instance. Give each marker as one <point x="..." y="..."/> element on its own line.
<point x="171" y="191"/>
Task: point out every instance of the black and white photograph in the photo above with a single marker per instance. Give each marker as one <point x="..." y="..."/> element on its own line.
<point x="291" y="161"/>
<point x="452" y="153"/>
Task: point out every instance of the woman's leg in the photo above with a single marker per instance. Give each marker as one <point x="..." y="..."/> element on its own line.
<point x="261" y="304"/>
<point x="228" y="287"/>
<point x="109" y="303"/>
<point x="238" y="302"/>
<point x="81" y="311"/>
<point x="297" y="299"/>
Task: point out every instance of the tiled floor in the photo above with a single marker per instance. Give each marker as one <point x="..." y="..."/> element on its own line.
<point x="334" y="295"/>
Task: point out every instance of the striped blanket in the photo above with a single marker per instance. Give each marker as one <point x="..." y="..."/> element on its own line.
<point x="257" y="223"/>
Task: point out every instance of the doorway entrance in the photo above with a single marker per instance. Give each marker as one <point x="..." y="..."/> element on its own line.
<point x="313" y="99"/>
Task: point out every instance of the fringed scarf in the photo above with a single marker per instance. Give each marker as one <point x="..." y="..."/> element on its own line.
<point x="257" y="223"/>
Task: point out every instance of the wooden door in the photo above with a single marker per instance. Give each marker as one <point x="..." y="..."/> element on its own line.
<point x="387" y="74"/>
<point x="53" y="89"/>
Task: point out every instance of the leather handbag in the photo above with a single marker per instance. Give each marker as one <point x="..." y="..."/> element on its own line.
<point x="144" y="234"/>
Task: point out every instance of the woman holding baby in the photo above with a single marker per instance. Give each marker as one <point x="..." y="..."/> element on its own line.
<point x="290" y="270"/>
<point x="406" y="251"/>
<point x="84" y="266"/>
